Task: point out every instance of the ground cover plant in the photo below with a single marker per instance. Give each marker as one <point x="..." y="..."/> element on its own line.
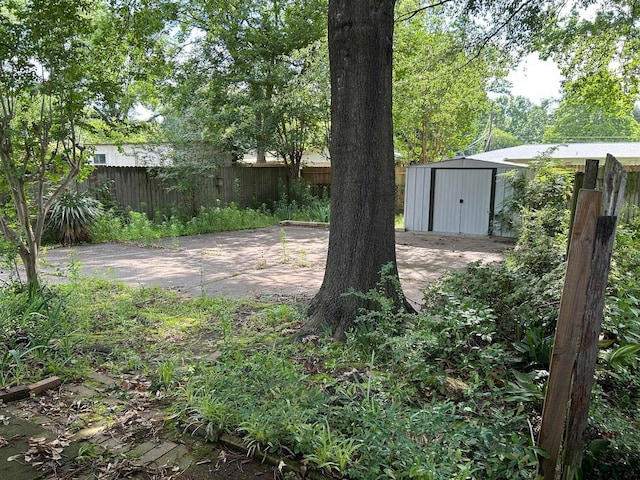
<point x="338" y="407"/>
<point x="136" y="227"/>
<point x="79" y="218"/>
<point x="454" y="392"/>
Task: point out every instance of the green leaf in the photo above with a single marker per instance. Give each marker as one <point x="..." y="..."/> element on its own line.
<point x="624" y="354"/>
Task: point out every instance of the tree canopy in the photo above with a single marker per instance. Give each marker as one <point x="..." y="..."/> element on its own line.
<point x="593" y="36"/>
<point x="594" y="108"/>
<point x="439" y="88"/>
<point x="62" y="64"/>
<point x="522" y="118"/>
<point x="596" y="46"/>
<point x="247" y="75"/>
<point x="511" y="121"/>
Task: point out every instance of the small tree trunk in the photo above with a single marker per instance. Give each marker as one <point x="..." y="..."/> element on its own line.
<point x="294" y="164"/>
<point x="30" y="262"/>
<point x="362" y="236"/>
<point x="259" y="126"/>
<point x="423" y="139"/>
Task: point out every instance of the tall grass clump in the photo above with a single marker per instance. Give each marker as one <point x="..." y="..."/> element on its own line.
<point x="138" y="228"/>
<point x="222" y="219"/>
<point x="36" y="338"/>
<point x="111" y="228"/>
<point x="301" y="205"/>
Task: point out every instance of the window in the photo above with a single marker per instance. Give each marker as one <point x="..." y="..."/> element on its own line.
<point x="100" y="159"/>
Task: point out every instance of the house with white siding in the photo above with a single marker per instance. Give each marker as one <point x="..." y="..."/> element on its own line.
<point x="130" y="155"/>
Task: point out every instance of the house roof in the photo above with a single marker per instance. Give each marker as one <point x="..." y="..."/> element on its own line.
<point x="469" y="162"/>
<point x="627" y="153"/>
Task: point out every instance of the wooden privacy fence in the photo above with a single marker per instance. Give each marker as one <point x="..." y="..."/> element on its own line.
<point x="316" y="175"/>
<point x="142" y="191"/>
<point x="320" y="178"/>
<point x="631" y="204"/>
<point x="631" y="196"/>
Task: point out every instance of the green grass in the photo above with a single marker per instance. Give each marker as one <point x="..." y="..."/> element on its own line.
<point x="66" y="328"/>
<point x="231" y="365"/>
<point x="452" y="393"/>
<point x="414" y="396"/>
<point x="135" y="227"/>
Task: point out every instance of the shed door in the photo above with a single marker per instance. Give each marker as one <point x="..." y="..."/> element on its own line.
<point x="462" y="201"/>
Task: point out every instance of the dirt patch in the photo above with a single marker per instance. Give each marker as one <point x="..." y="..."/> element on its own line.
<point x="230" y="465"/>
<point x="286" y="260"/>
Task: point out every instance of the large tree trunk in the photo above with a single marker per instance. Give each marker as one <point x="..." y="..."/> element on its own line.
<point x="362" y="237"/>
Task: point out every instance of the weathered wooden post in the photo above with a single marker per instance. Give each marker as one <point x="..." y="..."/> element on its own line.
<point x="568" y="330"/>
<point x="586" y="180"/>
<point x="576" y="341"/>
<point x="614" y="185"/>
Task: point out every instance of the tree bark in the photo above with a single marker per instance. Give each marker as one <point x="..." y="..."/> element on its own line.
<point x="261" y="156"/>
<point x="30" y="262"/>
<point x="362" y="236"/>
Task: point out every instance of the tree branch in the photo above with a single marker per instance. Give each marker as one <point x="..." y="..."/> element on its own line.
<point x="494" y="33"/>
<point x="487" y="38"/>
<point x="10" y="234"/>
<point x="409" y="15"/>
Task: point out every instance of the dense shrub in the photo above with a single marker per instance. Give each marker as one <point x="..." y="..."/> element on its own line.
<point x="111" y="227"/>
<point x="523" y="294"/>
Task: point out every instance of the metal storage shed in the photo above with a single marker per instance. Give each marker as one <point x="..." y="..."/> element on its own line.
<point x="459" y="196"/>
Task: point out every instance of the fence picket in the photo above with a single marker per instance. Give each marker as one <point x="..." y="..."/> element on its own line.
<point x="142" y="191"/>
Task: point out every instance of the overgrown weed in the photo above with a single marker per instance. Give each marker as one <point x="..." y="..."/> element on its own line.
<point x="301" y="205"/>
<point x="138" y="228"/>
<point x="451" y="393"/>
<point x="37" y="336"/>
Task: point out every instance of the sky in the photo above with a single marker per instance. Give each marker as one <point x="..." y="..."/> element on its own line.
<point x="536" y="79"/>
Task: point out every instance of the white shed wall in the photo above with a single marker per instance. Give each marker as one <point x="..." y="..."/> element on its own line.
<point x="416" y="199"/>
<point x="417" y="207"/>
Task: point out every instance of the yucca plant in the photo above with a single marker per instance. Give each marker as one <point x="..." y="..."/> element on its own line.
<point x="72" y="216"/>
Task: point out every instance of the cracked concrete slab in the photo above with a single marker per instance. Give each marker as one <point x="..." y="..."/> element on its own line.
<point x="279" y="260"/>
